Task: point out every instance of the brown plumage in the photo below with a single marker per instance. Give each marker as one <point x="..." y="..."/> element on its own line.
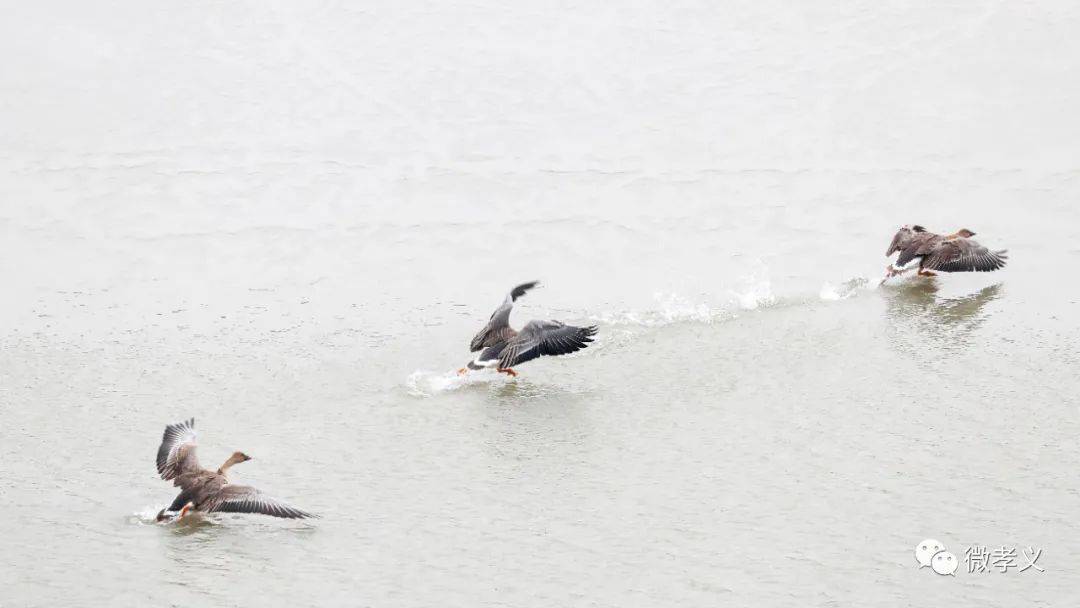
<point x="955" y="252"/>
<point x="208" y="490"/>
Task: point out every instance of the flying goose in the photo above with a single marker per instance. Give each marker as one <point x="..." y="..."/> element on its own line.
<point x="954" y="252"/>
<point x="502" y="347"/>
<point x="206" y="490"/>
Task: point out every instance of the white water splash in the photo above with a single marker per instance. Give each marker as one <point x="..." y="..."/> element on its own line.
<point x="423" y="383"/>
<point x="834" y="292"/>
<point x="670" y="308"/>
<point x="755" y="292"/>
<point x="147" y="515"/>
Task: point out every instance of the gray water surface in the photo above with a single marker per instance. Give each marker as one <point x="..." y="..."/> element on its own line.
<point x="287" y="220"/>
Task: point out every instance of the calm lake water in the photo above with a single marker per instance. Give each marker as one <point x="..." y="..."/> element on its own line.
<point x="288" y="221"/>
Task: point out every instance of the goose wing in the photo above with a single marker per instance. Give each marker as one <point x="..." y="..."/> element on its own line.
<point x="539" y="338"/>
<point x="903" y="237"/>
<point x="921" y="244"/>
<point x="498" y="328"/>
<point x="176" y="459"/>
<point x="246" y="499"/>
<point x="899" y="240"/>
<point x="964" y="255"/>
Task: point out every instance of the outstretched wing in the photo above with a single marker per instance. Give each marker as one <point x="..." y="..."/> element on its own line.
<point x="539" y="338"/>
<point x="964" y="255"/>
<point x="498" y="329"/>
<point x="246" y="499"/>
<point x="920" y="245"/>
<point x="176" y="455"/>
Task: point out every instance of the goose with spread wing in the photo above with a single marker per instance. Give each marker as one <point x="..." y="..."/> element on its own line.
<point x="205" y="490"/>
<point x="502" y="347"/>
<point x="955" y="252"/>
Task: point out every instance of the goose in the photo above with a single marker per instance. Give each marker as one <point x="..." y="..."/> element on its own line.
<point x="955" y="252"/>
<point x="205" y="490"/>
<point x="502" y="347"/>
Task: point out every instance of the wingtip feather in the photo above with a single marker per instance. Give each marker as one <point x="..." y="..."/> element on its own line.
<point x="520" y="290"/>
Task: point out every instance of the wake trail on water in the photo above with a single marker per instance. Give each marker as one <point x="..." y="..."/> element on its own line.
<point x="673" y="308"/>
<point x="755" y="294"/>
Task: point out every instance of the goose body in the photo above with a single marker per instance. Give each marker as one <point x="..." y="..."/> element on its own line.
<point x="956" y="252"/>
<point x="206" y="490"/>
<point x="500" y="346"/>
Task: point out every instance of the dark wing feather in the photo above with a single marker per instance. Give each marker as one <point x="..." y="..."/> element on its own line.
<point x="176" y="455"/>
<point x="491" y="336"/>
<point x="964" y="255"/>
<point x="540" y="338"/>
<point x="898" y="241"/>
<point x="246" y="499"/>
<point x="520" y="290"/>
<point x="921" y="244"/>
<point x="498" y="328"/>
